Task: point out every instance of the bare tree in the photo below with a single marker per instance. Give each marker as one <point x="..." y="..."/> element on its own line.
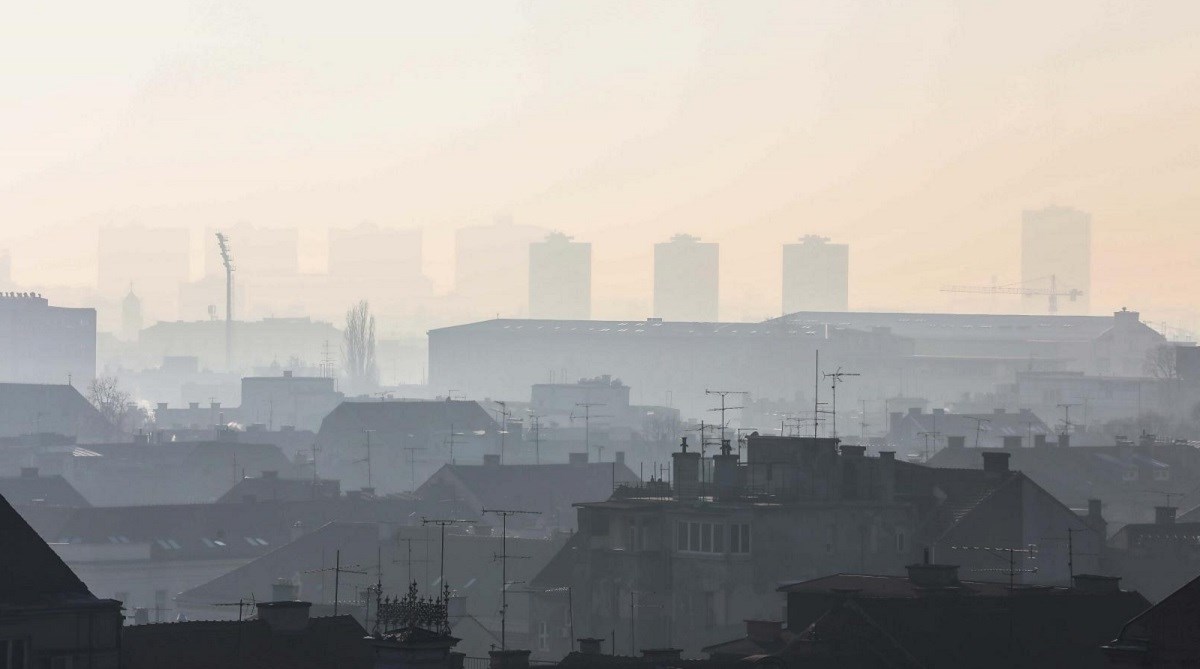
<point x="358" y="347"/>
<point x="116" y="405"/>
<point x="1160" y="362"/>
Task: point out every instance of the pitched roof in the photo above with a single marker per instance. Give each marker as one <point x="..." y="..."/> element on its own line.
<point x="30" y="408"/>
<point x="276" y="489"/>
<point x="391" y="420"/>
<point x="550" y="489"/>
<point x="336" y="641"/>
<point x="31" y="573"/>
<point x="31" y="489"/>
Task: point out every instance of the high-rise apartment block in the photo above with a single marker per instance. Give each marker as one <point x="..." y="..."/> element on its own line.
<point x="685" y="280"/>
<point x="560" y="278"/>
<point x="491" y="266"/>
<point x="816" y="275"/>
<point x="1056" y="253"/>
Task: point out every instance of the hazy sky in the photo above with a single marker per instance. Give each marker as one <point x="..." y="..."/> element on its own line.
<point x="917" y="131"/>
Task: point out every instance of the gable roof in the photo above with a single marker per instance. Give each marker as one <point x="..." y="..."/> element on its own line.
<point x="32" y="408"/>
<point x="276" y="489"/>
<point x="34" y="489"/>
<point x="392" y="421"/>
<point x="31" y="573"/>
<point x="551" y="489"/>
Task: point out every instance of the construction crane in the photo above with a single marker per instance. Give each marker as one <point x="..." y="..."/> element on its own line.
<point x="1023" y="288"/>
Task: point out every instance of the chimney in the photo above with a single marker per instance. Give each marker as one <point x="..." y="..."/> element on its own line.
<point x="214" y="405"/>
<point x="939" y="411"/>
<point x="619" y="457"/>
<point x="894" y="419"/>
<point x="956" y="442"/>
<point x="193" y="405"/>
<point x="763" y="631"/>
<point x="887" y="474"/>
<point x="508" y="659"/>
<point x="995" y="462"/>
<point x="725" y="470"/>
<point x="1012" y="443"/>
<point x="590" y="646"/>
<point x="283" y="590"/>
<point x="998" y="412"/>
<point x="1164" y="515"/>
<point x="1039" y="440"/>
<point x="1064" y="440"/>
<point x="914" y="411"/>
<point x="491" y="460"/>
<point x="162" y="406"/>
<point x="284" y="617"/>
<point x="1095" y="509"/>
<point x="685" y="473"/>
<point x="1093" y="584"/>
<point x="141" y="616"/>
<point x="849" y="451"/>
<point x="29" y="472"/>
<point x="933" y="575"/>
<point x="287" y="373"/>
<point x="270" y="474"/>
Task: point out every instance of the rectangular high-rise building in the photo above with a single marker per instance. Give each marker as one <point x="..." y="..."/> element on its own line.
<point x="685" y="280"/>
<point x="560" y="278"/>
<point x="491" y="267"/>
<point x="151" y="261"/>
<point x="1056" y="252"/>
<point x="816" y="275"/>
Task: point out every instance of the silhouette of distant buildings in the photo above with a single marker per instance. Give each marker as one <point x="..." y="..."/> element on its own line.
<point x="686" y="276"/>
<point x="560" y="278"/>
<point x="816" y="275"/>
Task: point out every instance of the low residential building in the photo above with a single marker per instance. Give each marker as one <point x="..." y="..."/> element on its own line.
<point x="48" y="617"/>
<point x="930" y="618"/>
<point x="919" y="433"/>
<point x="36" y="409"/>
<point x="1166" y="635"/>
<point x="1156" y="558"/>
<point x="1129" y="476"/>
<point x="687" y="561"/>
<point x="281" y="635"/>
<point x="32" y="488"/>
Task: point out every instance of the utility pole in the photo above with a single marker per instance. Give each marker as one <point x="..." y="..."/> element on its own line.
<point x="450" y="440"/>
<point x="503" y="557"/>
<point x="862" y="422"/>
<point x="441" y="523"/>
<point x="723" y="394"/>
<point x="836" y="377"/>
<point x="936" y="435"/>
<point x="409" y="562"/>
<point x="227" y="261"/>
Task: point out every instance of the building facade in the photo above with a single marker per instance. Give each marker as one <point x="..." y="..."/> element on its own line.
<point x="686" y="275"/>
<point x="44" y="344"/>
<point x="816" y="275"/>
<point x="560" y="278"/>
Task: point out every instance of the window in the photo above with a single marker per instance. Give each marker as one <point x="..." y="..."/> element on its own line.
<point x="739" y="538"/>
<point x="702" y="537"/>
<point x="1162" y="474"/>
<point x="681" y="535"/>
<point x="14" y="653"/>
<point x="543" y="635"/>
<point x="900" y="541"/>
<point x="1131" y="474"/>
<point x="693" y="536"/>
<point x="706" y="532"/>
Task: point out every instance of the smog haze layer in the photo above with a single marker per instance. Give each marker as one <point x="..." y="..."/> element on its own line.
<point x="918" y="132"/>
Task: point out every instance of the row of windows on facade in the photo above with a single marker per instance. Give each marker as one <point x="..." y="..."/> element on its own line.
<point x="14" y="654"/>
<point x="699" y="537"/>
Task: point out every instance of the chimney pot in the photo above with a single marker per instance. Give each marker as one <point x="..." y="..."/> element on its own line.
<point x="662" y="655"/>
<point x="508" y="659"/>
<point x="1093" y="584"/>
<point x="590" y="645"/>
<point x="491" y="460"/>
<point x="577" y="458"/>
<point x="995" y="462"/>
<point x="1164" y="515"/>
<point x="933" y="575"/>
<point x="956" y="442"/>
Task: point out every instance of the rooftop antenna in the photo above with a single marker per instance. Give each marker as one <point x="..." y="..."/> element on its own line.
<point x="1066" y="407"/>
<point x="503" y="557"/>
<point x="587" y="424"/>
<point x="367" y="459"/>
<point x="816" y="390"/>
<point x="412" y="464"/>
<point x="1030" y="551"/>
<point x="441" y="523"/>
<point x="504" y="414"/>
<point x="936" y="435"/>
<point x="723" y="394"/>
<point x="450" y="440"/>
<point x="978" y="426"/>
<point x="537" y="439"/>
<point x="227" y="261"/>
<point x="337" y="576"/>
<point x="836" y="377"/>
